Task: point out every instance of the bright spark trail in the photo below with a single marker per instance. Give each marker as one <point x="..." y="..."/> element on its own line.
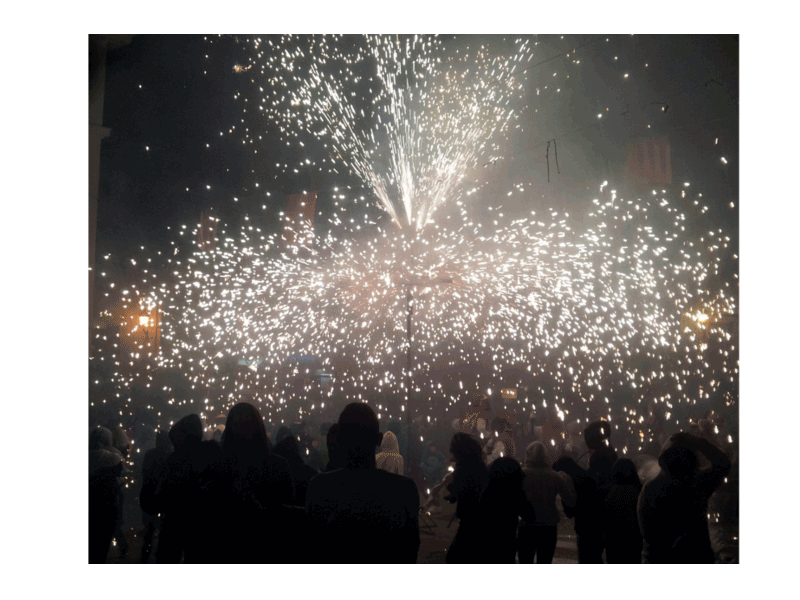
<point x="621" y="304"/>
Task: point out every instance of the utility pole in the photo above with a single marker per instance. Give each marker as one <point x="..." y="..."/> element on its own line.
<point x="409" y="378"/>
<point x="409" y="313"/>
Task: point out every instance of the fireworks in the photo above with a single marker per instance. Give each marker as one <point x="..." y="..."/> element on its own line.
<point x="408" y="119"/>
<point x="625" y="303"/>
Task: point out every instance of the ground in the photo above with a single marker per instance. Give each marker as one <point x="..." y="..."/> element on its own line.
<point x="436" y="533"/>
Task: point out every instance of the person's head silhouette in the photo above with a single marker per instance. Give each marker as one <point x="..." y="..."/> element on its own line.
<point x="678" y="462"/>
<point x="624" y="473"/>
<point x="245" y="445"/>
<point x="189" y="430"/>
<point x="505" y="471"/>
<point x="465" y="448"/>
<point x="359" y="434"/>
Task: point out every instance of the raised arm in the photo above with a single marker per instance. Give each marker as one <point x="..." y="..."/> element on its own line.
<point x="720" y="463"/>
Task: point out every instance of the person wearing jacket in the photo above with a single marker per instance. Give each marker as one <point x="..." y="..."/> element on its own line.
<point x="672" y="506"/>
<point x="105" y="466"/>
<point x="302" y="473"/>
<point x="254" y="494"/>
<point x="335" y="458"/>
<point x="470" y="478"/>
<point x="359" y="513"/>
<point x="434" y="466"/>
<point x="153" y="464"/>
<point x="502" y="503"/>
<point x="623" y="540"/>
<point x="183" y="493"/>
<point x="587" y="519"/>
<point x="542" y="485"/>
<point x="389" y="458"/>
<point x="122" y="445"/>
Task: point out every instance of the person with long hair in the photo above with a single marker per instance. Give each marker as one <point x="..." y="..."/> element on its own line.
<point x="470" y="479"/>
<point x="253" y="488"/>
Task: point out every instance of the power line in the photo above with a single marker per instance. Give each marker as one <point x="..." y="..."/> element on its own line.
<point x="557" y="56"/>
<point x="665" y="106"/>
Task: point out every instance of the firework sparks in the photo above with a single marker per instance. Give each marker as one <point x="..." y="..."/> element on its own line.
<point x="622" y="304"/>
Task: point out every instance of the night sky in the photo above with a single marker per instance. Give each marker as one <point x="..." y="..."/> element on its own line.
<point x="168" y="99"/>
<point x="158" y="97"/>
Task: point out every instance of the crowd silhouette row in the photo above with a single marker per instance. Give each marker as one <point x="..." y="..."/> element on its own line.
<point x="236" y="498"/>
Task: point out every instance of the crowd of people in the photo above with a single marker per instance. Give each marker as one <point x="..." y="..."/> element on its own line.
<point x="216" y="500"/>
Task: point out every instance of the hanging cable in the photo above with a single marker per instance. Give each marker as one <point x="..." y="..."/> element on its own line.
<point x="547" y="158"/>
<point x="555" y="148"/>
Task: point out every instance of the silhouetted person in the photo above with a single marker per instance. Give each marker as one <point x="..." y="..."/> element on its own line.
<point x="121" y="444"/>
<point x="335" y="458"/>
<point x="104" y="468"/>
<point x="672" y="506"/>
<point x="587" y="520"/>
<point x="389" y="458"/>
<point x="602" y="457"/>
<point x="434" y="466"/>
<point x="153" y="465"/>
<point x="542" y="485"/>
<point x="528" y="433"/>
<point x="601" y="462"/>
<point x="502" y="503"/>
<point x="183" y="494"/>
<point x="254" y="495"/>
<point x="470" y="478"/>
<point x="553" y="436"/>
<point x="288" y="449"/>
<point x="282" y="433"/>
<point x="361" y="514"/>
<point x="623" y="540"/>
